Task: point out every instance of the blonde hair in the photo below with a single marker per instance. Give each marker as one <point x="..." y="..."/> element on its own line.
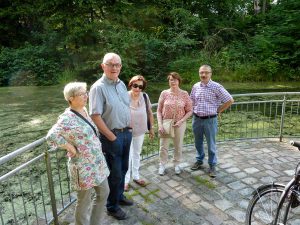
<point x="71" y="89"/>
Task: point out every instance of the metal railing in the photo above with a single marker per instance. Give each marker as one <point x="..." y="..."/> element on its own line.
<point x="38" y="191"/>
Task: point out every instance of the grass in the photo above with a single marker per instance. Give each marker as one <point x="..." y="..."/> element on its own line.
<point x="67" y="76"/>
<point x="205" y="182"/>
<point x="145" y="197"/>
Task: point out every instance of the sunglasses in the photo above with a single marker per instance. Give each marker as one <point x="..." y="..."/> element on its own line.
<point x="138" y="86"/>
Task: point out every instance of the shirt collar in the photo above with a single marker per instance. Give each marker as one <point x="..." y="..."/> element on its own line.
<point x="109" y="81"/>
<point x="206" y="85"/>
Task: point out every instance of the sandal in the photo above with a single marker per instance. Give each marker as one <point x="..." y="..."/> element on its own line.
<point x="140" y="182"/>
<point x="126" y="187"/>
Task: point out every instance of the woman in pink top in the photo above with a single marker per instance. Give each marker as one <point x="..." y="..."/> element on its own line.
<point x="139" y="127"/>
<point x="173" y="103"/>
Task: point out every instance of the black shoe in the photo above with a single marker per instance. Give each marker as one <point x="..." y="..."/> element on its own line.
<point x="119" y="214"/>
<point x="212" y="172"/>
<point x="197" y="166"/>
<point x="126" y="202"/>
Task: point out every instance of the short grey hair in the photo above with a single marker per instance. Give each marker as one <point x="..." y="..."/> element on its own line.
<point x="206" y="66"/>
<point x="109" y="56"/>
<point x="71" y="89"/>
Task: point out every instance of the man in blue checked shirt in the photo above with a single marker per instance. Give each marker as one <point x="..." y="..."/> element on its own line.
<point x="210" y="99"/>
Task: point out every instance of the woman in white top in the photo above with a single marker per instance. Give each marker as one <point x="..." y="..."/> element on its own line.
<point x="141" y="121"/>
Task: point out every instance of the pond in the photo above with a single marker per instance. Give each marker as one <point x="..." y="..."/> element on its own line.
<point x="27" y="113"/>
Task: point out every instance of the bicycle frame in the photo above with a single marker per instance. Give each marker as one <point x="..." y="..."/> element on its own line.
<point x="289" y="189"/>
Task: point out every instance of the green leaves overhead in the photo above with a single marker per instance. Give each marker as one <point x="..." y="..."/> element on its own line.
<point x="152" y="36"/>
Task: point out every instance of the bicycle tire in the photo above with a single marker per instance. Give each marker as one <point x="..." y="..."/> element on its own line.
<point x="263" y="205"/>
<point x="289" y="215"/>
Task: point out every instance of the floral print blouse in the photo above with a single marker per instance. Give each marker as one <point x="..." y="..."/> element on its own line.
<point x="88" y="168"/>
<point x="169" y="103"/>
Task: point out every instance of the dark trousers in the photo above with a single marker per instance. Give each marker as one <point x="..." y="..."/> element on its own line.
<point x="117" y="157"/>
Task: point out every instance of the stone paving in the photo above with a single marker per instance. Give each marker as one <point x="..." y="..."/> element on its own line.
<point x="194" y="198"/>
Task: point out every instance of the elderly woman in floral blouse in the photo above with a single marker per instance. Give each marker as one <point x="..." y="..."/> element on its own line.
<point x="76" y="133"/>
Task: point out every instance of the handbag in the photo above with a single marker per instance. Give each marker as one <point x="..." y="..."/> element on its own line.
<point x="168" y="125"/>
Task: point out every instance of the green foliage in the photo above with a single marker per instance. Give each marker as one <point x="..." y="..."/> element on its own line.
<point x="188" y="67"/>
<point x="66" y="76"/>
<point x="30" y="65"/>
<point x="44" y="38"/>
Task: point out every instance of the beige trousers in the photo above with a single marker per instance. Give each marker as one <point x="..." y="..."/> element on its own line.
<point x="88" y="212"/>
<point x="177" y="141"/>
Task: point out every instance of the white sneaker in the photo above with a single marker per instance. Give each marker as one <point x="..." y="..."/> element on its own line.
<point x="177" y="170"/>
<point x="161" y="170"/>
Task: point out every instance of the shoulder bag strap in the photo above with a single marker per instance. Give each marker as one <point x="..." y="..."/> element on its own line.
<point x="147" y="110"/>
<point x="146" y="103"/>
<point x="79" y="115"/>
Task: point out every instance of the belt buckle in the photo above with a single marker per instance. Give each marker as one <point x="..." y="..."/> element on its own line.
<point x="120" y="130"/>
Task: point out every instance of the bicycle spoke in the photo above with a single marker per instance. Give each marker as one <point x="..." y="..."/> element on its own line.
<point x="262" y="208"/>
<point x="269" y="207"/>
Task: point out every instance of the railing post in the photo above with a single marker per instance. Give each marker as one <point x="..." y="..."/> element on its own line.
<point x="51" y="187"/>
<point x="282" y="118"/>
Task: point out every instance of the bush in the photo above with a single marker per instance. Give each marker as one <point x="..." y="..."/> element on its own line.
<point x="30" y="65"/>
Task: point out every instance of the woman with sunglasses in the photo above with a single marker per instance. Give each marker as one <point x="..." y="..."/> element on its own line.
<point x="141" y="116"/>
<point x="173" y="103"/>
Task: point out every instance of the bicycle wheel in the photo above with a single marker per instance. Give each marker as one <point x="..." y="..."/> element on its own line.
<point x="263" y="205"/>
<point x="289" y="212"/>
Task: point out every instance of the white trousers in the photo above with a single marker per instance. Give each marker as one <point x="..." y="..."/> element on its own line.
<point x="88" y="212"/>
<point x="178" y="143"/>
<point x="134" y="158"/>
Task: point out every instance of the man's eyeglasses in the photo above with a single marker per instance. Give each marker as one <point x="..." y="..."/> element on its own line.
<point x="138" y="86"/>
<point x="117" y="65"/>
<point x="82" y="94"/>
<point x="204" y="72"/>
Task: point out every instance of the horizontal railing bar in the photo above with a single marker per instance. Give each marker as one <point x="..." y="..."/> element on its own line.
<point x="265" y="94"/>
<point x="293" y="100"/>
<point x="14" y="171"/>
<point x="251" y="102"/>
<point x="19" y="151"/>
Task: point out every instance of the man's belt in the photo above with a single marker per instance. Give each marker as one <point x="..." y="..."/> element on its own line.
<point x="205" y="117"/>
<point x="122" y="129"/>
